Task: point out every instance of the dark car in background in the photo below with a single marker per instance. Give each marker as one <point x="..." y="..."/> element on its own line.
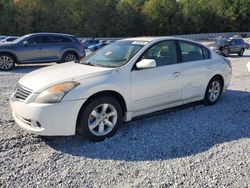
<point x="89" y="42"/>
<point x="225" y="47"/>
<point x="97" y="46"/>
<point x="8" y="39"/>
<point x="101" y="44"/>
<point x="40" y="48"/>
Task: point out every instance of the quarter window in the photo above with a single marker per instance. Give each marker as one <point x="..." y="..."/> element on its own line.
<point x="192" y="52"/>
<point x="164" y="53"/>
<point x="206" y="53"/>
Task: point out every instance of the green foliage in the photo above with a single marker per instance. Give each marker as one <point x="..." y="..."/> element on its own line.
<point x="118" y="18"/>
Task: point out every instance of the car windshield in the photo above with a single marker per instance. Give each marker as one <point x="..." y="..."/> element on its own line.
<point x="115" y="54"/>
<point x="20" y="39"/>
<point x="221" y="41"/>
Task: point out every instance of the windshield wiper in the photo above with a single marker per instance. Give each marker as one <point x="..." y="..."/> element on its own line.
<point x="91" y="64"/>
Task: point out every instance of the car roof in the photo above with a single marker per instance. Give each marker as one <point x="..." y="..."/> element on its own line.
<point x="158" y="39"/>
<point x="47" y="33"/>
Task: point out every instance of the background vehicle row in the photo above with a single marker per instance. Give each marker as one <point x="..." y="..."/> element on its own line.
<point x="40" y="48"/>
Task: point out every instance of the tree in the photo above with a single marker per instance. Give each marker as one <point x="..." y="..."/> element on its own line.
<point x="162" y="17"/>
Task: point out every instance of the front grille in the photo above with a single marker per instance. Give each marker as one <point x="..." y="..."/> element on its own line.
<point x="21" y="93"/>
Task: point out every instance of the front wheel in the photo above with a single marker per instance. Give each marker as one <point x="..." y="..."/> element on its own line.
<point x="7" y="62"/>
<point x="241" y="52"/>
<point x="213" y="91"/>
<point x="70" y="57"/>
<point x="99" y="119"/>
<point x="225" y="51"/>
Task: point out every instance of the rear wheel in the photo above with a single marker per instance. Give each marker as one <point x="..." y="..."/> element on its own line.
<point x="70" y="56"/>
<point x="7" y="62"/>
<point x="241" y="52"/>
<point x="213" y="91"/>
<point x="99" y="119"/>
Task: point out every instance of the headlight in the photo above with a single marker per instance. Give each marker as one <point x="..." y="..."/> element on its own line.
<point x="55" y="93"/>
<point x="213" y="47"/>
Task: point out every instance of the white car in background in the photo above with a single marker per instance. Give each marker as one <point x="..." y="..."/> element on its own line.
<point x="125" y="79"/>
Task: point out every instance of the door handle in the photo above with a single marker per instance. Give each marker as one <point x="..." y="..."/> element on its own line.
<point x="209" y="66"/>
<point x="176" y="74"/>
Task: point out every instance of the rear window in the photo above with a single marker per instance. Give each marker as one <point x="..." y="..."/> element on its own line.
<point x="193" y="52"/>
<point x="56" y="39"/>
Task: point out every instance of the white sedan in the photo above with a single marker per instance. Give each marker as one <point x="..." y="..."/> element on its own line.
<point x="125" y="79"/>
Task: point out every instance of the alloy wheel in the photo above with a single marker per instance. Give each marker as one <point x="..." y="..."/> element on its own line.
<point x="102" y="119"/>
<point x="214" y="91"/>
<point x="70" y="57"/>
<point x="6" y="62"/>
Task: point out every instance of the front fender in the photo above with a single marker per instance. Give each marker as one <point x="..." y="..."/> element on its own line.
<point x="107" y="82"/>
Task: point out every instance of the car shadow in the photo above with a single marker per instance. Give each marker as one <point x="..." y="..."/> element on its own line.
<point x="236" y="56"/>
<point x="177" y="132"/>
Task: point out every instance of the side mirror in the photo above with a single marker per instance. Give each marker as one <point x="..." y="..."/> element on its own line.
<point x="146" y="63"/>
<point x="25" y="43"/>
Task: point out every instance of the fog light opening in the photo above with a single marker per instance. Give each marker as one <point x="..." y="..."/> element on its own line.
<point x="38" y="124"/>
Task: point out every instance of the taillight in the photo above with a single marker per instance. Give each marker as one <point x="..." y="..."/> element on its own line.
<point x="228" y="62"/>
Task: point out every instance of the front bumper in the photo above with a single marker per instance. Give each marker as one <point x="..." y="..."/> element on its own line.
<point x="47" y="119"/>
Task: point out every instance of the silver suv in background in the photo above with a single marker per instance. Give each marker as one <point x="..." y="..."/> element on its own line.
<point x="40" y="48"/>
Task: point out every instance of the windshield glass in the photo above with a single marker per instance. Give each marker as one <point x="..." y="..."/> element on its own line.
<point x="115" y="54"/>
<point x="20" y="39"/>
<point x="221" y="41"/>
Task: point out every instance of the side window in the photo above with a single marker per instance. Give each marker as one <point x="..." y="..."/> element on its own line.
<point x="63" y="40"/>
<point x="233" y="42"/>
<point x="240" y="42"/>
<point x="49" y="39"/>
<point x="56" y="39"/>
<point x="35" y="40"/>
<point x="191" y="51"/>
<point x="164" y="53"/>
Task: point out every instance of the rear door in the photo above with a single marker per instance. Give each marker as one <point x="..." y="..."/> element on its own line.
<point x="54" y="47"/>
<point x="234" y="46"/>
<point x="195" y="68"/>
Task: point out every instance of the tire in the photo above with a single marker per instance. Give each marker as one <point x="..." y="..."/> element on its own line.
<point x="94" y="123"/>
<point x="241" y="52"/>
<point x="225" y="51"/>
<point x="7" y="62"/>
<point x="69" y="56"/>
<point x="212" y="94"/>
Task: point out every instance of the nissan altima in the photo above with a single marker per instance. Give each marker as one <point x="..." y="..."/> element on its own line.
<point x="122" y="80"/>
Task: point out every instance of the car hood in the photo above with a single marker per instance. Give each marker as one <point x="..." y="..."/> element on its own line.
<point x="43" y="78"/>
<point x="5" y="44"/>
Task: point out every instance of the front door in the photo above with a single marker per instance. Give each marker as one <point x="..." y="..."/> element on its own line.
<point x="31" y="50"/>
<point x="159" y="86"/>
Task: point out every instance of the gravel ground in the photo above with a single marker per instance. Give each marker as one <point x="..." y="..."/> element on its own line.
<point x="188" y="146"/>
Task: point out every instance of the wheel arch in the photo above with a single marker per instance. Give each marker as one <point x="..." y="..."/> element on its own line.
<point x="10" y="54"/>
<point x="110" y="93"/>
<point x="212" y="77"/>
<point x="221" y="78"/>
<point x="70" y="51"/>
